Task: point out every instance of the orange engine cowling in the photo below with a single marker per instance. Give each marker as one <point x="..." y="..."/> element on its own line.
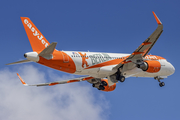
<point x="150" y="66"/>
<point x="107" y="87"/>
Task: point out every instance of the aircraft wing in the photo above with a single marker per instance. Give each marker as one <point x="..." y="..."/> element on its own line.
<point x="137" y="56"/>
<point x="57" y="82"/>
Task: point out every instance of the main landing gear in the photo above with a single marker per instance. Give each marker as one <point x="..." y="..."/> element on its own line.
<point x="161" y="84"/>
<point x="119" y="76"/>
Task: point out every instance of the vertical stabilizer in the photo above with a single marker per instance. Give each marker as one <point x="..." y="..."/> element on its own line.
<point x="37" y="40"/>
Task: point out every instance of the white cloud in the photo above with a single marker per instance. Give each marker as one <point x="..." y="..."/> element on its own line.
<point x="62" y="102"/>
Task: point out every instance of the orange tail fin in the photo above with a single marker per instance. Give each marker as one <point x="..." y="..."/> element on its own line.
<point x="37" y="40"/>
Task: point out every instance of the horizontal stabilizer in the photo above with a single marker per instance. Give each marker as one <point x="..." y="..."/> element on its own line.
<point x="18" y="62"/>
<point x="47" y="52"/>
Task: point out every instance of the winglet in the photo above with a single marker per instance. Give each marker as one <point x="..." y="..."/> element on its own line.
<point x="22" y="80"/>
<point x="157" y="19"/>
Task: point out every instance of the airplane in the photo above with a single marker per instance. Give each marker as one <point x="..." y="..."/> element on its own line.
<point x="102" y="70"/>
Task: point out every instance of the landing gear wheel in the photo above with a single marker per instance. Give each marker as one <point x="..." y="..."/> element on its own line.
<point x="118" y="77"/>
<point x="122" y="79"/>
<point x="161" y="84"/>
<point x="93" y="85"/>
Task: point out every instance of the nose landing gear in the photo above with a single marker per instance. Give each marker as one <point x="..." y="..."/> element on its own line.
<point x="161" y="84"/>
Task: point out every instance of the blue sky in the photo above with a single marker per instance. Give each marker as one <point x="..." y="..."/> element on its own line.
<point x="97" y="26"/>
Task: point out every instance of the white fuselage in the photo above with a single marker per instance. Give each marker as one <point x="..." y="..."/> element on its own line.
<point x="103" y="67"/>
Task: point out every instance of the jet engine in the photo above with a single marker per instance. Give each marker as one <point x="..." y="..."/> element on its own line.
<point x="150" y="66"/>
<point x="104" y="86"/>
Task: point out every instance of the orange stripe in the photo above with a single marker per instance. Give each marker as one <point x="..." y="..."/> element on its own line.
<point x="136" y="53"/>
<point x="118" y="61"/>
<point x="107" y="63"/>
<point x="146" y="43"/>
<point x="88" y="78"/>
<point x="70" y="81"/>
<point x="53" y="84"/>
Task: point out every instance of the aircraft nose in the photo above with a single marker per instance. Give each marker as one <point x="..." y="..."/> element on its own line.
<point x="173" y="69"/>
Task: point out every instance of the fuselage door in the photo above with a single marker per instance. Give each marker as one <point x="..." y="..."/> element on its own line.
<point x="65" y="57"/>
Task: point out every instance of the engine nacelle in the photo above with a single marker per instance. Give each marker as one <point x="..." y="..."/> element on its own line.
<point x="104" y="86"/>
<point x="150" y="66"/>
<point x="109" y="88"/>
<point x="33" y="56"/>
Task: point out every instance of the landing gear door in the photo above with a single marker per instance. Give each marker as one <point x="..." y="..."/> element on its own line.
<point x="112" y="80"/>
